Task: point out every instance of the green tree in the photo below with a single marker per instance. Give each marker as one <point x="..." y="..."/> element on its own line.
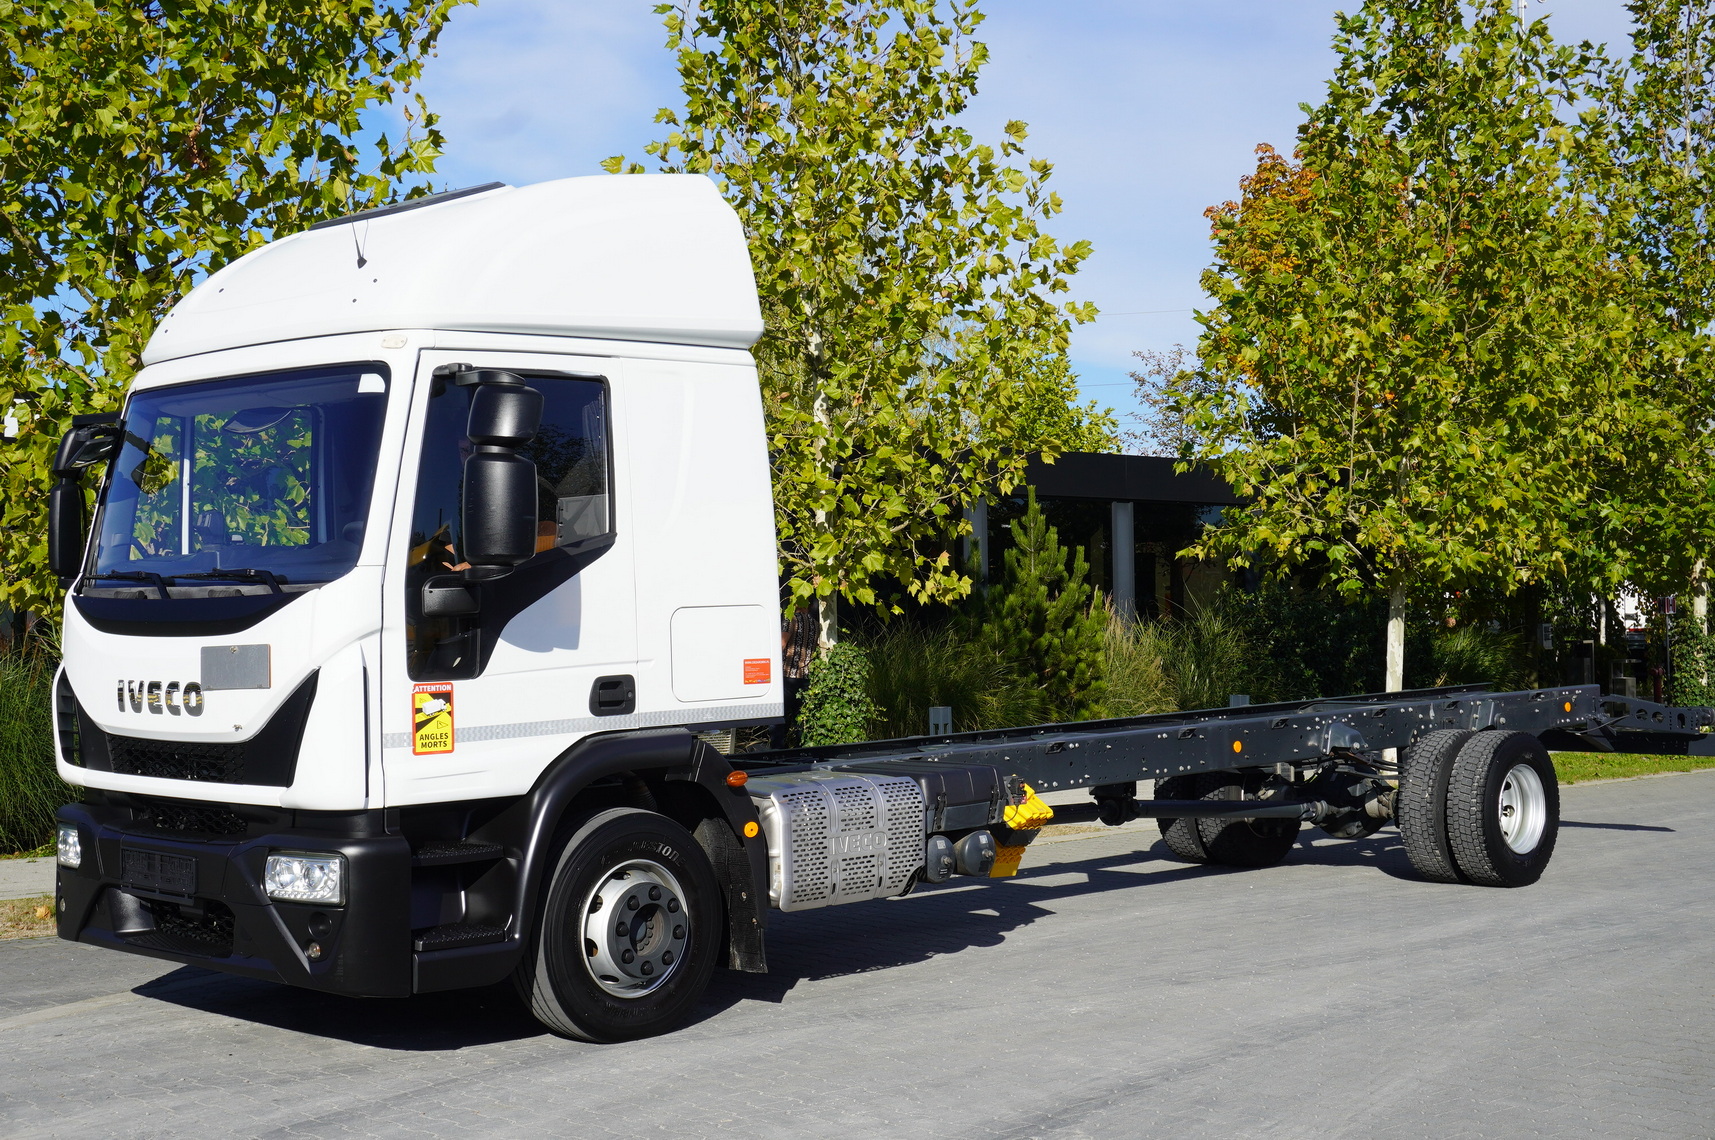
<point x="1045" y="620"/>
<point x="1657" y="119"/>
<point x="147" y="144"/>
<point x="1421" y="350"/>
<point x="905" y="276"/>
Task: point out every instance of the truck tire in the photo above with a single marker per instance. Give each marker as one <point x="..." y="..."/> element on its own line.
<point x="1244" y="842"/>
<point x="1420" y="808"/>
<point x="1503" y="809"/>
<point x="1181" y="835"/>
<point x="597" y="977"/>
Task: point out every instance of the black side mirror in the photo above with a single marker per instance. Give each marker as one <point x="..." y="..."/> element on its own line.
<point x="500" y="484"/>
<point x="92" y="440"/>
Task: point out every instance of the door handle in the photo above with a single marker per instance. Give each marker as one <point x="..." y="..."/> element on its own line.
<point x="613" y="696"/>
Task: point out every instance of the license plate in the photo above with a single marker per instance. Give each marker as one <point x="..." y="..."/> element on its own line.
<point x="158" y="871"/>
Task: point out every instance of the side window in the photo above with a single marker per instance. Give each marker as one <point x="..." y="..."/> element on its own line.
<point x="573" y="501"/>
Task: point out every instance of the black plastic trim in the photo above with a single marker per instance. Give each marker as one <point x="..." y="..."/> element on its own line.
<point x="366" y="944"/>
<point x="270" y="758"/>
<point x="546" y="571"/>
<point x="179" y="617"/>
<point x="407" y="206"/>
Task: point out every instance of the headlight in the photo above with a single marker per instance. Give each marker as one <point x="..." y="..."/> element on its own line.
<point x="70" y="847"/>
<point x="292" y="876"/>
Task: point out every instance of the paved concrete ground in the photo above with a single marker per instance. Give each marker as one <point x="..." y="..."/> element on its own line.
<point x="26" y="878"/>
<point x="1105" y="992"/>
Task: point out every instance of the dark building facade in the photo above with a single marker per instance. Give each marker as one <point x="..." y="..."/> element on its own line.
<point x="1132" y="514"/>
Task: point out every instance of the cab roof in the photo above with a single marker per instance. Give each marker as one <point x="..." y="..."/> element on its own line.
<point x="638" y="257"/>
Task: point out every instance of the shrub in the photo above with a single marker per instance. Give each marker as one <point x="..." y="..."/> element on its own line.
<point x="1134" y="657"/>
<point x="1207" y="658"/>
<point x="837" y="708"/>
<point x="912" y="668"/>
<point x="30" y="789"/>
<point x="1468" y="654"/>
<point x="1693" y="665"/>
<point x="1303" y="644"/>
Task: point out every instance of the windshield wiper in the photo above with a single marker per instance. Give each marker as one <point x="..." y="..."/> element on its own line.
<point x="154" y="580"/>
<point x="239" y="573"/>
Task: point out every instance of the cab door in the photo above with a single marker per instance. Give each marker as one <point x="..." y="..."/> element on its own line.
<point x="476" y="706"/>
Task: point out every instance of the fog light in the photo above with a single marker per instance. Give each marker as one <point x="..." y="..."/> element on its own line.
<point x="70" y="848"/>
<point x="292" y="876"/>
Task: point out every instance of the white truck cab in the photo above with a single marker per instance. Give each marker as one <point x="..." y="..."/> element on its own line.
<point x="401" y="511"/>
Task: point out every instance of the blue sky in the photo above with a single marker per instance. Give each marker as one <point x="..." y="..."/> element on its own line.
<point x="1149" y="110"/>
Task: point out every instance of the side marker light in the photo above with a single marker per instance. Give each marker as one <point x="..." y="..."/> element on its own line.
<point x="751" y="830"/>
<point x="1238" y="746"/>
<point x="737" y="779"/>
<point x="1568" y="706"/>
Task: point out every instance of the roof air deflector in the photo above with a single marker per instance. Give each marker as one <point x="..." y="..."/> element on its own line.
<point x="411" y="204"/>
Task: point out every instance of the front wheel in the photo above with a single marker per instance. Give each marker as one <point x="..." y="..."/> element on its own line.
<point x="629" y="929"/>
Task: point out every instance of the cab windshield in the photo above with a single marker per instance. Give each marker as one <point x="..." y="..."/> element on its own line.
<point x="243" y="485"/>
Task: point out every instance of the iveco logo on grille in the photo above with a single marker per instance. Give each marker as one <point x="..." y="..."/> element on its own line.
<point x="174" y="697"/>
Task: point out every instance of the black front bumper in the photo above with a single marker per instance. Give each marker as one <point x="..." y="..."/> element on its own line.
<point x="223" y="920"/>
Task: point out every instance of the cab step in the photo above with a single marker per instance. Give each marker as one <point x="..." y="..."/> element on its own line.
<point x="449" y="852"/>
<point x="452" y="935"/>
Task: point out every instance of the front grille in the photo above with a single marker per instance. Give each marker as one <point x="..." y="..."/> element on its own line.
<point x="192" y="819"/>
<point x="177" y="759"/>
<point x="177" y="931"/>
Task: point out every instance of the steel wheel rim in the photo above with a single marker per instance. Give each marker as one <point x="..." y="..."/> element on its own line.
<point x="638" y="908"/>
<point x="1523" y="808"/>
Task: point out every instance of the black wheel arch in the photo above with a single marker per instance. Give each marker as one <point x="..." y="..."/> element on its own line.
<point x="667" y="770"/>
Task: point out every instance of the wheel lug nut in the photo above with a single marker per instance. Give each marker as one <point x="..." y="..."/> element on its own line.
<point x="666" y="957"/>
<point x="654" y="894"/>
<point x="678" y="932"/>
<point x="622" y="930"/>
<point x="631" y="903"/>
<point x="628" y="956"/>
<point x="673" y="906"/>
<point x="647" y="968"/>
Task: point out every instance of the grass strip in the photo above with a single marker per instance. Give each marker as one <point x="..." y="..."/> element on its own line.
<point x="1582" y="767"/>
<point x="26" y="918"/>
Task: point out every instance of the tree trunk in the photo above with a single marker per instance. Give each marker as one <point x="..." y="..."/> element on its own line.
<point x="1395" y="680"/>
<point x="827" y="607"/>
<point x="827" y="622"/>
<point x="1700" y="597"/>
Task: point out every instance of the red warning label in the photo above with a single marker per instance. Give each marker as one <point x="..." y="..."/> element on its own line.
<point x="758" y="670"/>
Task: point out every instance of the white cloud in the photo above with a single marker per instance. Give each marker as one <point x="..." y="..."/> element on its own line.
<point x="529" y="90"/>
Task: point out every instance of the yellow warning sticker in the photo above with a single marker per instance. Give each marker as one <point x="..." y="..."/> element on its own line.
<point x="432" y="717"/>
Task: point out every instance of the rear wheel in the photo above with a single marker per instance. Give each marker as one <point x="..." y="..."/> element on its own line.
<point x="1503" y="809"/>
<point x="1181" y="835"/>
<point x="1420" y="808"/>
<point x="1244" y="842"/>
<point x="628" y="933"/>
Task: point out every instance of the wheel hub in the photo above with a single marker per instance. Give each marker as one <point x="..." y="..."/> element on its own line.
<point x="636" y="928"/>
<point x="1523" y="809"/>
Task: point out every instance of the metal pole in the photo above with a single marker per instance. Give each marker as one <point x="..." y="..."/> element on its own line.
<point x="1124" y="545"/>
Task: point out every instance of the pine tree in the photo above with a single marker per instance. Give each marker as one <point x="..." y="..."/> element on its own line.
<point x="1044" y="619"/>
